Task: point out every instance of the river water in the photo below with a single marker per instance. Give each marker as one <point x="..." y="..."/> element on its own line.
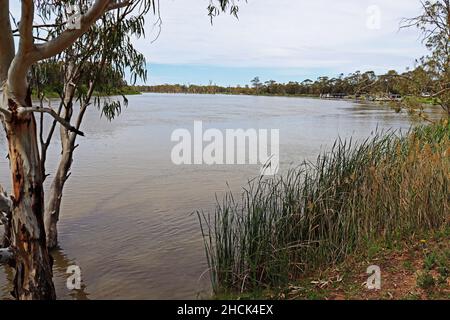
<point x="127" y="217"/>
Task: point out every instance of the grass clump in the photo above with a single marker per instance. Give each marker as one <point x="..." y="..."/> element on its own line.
<point x="425" y="281"/>
<point x="383" y="188"/>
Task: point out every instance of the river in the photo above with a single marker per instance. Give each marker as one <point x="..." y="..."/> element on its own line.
<point x="127" y="217"/>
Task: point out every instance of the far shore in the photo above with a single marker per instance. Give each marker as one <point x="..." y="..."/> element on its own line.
<point x="422" y="100"/>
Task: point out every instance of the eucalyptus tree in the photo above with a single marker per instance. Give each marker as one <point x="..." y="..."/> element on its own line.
<point x="37" y="41"/>
<point x="434" y="24"/>
<point x="256" y="84"/>
<point x="103" y="52"/>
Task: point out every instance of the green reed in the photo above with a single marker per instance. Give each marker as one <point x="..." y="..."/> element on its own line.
<point x="385" y="187"/>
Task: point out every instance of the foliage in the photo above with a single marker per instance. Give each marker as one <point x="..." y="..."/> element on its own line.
<point x="49" y="77"/>
<point x="215" y="7"/>
<point x="367" y="85"/>
<point x="434" y="24"/>
<point x="105" y="54"/>
<point x="99" y="58"/>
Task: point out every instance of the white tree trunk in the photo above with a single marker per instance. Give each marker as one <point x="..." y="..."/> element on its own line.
<point x="55" y="193"/>
<point x="54" y="198"/>
<point x="33" y="278"/>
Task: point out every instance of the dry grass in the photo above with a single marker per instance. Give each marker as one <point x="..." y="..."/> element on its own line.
<point x="415" y="268"/>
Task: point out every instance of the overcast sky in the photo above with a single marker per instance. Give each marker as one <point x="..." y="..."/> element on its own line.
<point x="279" y="39"/>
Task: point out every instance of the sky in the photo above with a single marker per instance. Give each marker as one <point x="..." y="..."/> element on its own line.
<point x="281" y="40"/>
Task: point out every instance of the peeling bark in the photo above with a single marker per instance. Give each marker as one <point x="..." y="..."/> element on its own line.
<point x="33" y="278"/>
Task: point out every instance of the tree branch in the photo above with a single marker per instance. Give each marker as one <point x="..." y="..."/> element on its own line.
<point x="43" y="26"/>
<point x="17" y="74"/>
<point x="26" y="27"/>
<point x="55" y="115"/>
<point x="69" y="36"/>
<point x="7" y="49"/>
<point x="53" y="126"/>
<point x="440" y="92"/>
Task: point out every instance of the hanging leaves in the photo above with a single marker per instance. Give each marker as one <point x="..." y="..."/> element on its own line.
<point x="215" y="7"/>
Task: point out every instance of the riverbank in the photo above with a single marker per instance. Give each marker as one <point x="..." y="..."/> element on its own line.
<point x="410" y="100"/>
<point x="416" y="268"/>
<point x="387" y="190"/>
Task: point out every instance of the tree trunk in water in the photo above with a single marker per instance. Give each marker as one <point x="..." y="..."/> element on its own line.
<point x="55" y="193"/>
<point x="33" y="278"/>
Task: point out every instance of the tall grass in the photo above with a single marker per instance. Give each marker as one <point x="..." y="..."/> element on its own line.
<point x="382" y="188"/>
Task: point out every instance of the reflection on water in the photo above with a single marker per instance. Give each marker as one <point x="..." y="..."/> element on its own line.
<point x="61" y="263"/>
<point x="127" y="210"/>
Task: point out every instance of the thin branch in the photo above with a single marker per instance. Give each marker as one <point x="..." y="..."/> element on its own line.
<point x="35" y="38"/>
<point x="41" y="26"/>
<point x="55" y="115"/>
<point x="53" y="127"/>
<point x="440" y="92"/>
<point x="85" y="104"/>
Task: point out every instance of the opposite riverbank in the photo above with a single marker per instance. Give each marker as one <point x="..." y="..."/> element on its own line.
<point x="414" y="101"/>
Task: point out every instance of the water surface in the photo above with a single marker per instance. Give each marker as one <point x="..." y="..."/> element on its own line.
<point x="127" y="209"/>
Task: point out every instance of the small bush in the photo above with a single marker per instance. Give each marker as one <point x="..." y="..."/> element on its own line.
<point x="425" y="281"/>
<point x="430" y="261"/>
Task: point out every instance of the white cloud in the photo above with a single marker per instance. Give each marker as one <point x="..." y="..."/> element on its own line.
<point x="286" y="34"/>
<point x="321" y="34"/>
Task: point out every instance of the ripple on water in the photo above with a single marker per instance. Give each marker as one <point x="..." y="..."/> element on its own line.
<point x="127" y="210"/>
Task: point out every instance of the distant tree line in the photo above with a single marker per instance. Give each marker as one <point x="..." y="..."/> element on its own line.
<point x="428" y="82"/>
<point x="417" y="82"/>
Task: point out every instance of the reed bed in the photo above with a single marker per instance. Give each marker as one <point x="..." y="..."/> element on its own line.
<point x="386" y="187"/>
